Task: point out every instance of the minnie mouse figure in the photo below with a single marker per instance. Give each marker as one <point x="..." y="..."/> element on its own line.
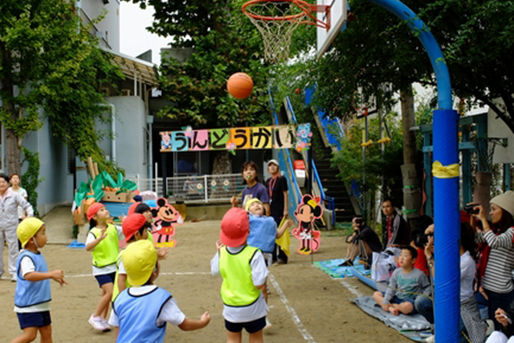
<point x="306" y="213"/>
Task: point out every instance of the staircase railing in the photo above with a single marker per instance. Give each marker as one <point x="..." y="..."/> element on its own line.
<point x="315" y="174"/>
<point x="286" y="165"/>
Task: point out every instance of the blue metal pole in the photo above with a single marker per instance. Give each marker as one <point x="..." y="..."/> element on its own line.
<point x="446" y="189"/>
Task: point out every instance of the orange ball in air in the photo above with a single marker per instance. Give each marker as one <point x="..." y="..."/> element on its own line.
<point x="240" y="85"/>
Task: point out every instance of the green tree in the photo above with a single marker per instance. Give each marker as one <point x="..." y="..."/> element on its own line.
<point x="49" y="62"/>
<point x="224" y="41"/>
<point x="376" y="49"/>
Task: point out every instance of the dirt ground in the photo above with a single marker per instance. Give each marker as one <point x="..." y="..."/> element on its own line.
<point x="306" y="304"/>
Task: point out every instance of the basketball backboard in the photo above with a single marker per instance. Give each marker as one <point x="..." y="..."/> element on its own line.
<point x="338" y="16"/>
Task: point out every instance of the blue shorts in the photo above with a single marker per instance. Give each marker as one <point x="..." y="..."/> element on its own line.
<point x="34" y="319"/>
<point x="396" y="300"/>
<point x="105" y="278"/>
<point x="251" y="327"/>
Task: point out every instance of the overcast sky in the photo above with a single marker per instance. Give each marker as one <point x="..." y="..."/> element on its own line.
<point x="134" y="38"/>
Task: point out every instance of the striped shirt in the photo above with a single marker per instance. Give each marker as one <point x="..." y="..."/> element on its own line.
<point x="498" y="272"/>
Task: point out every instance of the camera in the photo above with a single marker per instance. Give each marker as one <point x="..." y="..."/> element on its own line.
<point x="469" y="208"/>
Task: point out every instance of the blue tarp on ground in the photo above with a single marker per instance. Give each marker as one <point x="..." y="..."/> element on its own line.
<point x="413" y="326"/>
<point x="331" y="267"/>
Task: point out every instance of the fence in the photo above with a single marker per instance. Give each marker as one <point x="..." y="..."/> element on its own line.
<point x="195" y="189"/>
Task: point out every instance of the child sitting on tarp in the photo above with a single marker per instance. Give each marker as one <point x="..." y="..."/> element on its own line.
<point x="405" y="284"/>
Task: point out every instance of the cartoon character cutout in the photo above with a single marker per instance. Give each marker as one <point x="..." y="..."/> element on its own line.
<point x="306" y="212"/>
<point x="165" y="218"/>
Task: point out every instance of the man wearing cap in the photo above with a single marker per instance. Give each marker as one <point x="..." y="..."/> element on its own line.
<point x="9" y="203"/>
<point x="142" y="311"/>
<point x="277" y="190"/>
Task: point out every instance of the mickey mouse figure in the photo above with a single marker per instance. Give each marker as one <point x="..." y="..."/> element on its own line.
<point x="308" y="210"/>
<point x="165" y="217"/>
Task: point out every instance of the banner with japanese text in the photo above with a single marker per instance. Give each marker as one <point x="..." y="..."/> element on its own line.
<point x="238" y="138"/>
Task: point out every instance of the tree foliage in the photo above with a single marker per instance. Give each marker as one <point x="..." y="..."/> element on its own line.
<point x="49" y="62"/>
<point x="224" y="41"/>
<point x="377" y="49"/>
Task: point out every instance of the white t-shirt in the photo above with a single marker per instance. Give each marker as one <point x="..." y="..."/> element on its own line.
<point x="23" y="193"/>
<point x="467" y="276"/>
<point x="259" y="274"/>
<point x="27" y="266"/>
<point x="112" y="267"/>
<point x="170" y="312"/>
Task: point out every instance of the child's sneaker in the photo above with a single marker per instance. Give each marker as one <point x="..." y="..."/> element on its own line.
<point x="268" y="324"/>
<point x="107" y="327"/>
<point x="97" y="323"/>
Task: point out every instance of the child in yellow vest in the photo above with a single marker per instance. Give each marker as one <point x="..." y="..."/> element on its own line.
<point x="32" y="296"/>
<point x="102" y="240"/>
<point x="135" y="227"/>
<point x="244" y="275"/>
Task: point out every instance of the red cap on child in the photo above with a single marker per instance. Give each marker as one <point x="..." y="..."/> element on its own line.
<point x="234" y="227"/>
<point x="132" y="224"/>
<point x="132" y="207"/>
<point x="91" y="211"/>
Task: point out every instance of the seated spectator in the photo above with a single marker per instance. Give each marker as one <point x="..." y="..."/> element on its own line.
<point x="363" y="242"/>
<point x="419" y="240"/>
<point x="396" y="231"/>
<point x="423" y="303"/>
<point x="497" y="260"/>
<point x="475" y="327"/>
<point x="405" y="283"/>
<point x="469" y="313"/>
<point x="506" y="335"/>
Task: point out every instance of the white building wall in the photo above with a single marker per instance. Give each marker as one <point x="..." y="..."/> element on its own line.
<point x="107" y="30"/>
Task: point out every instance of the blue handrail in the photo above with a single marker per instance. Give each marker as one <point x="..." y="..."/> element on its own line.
<point x="286" y="164"/>
<point x="315" y="174"/>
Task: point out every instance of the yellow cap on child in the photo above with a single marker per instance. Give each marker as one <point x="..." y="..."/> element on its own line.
<point x="139" y="259"/>
<point x="250" y="202"/>
<point x="27" y="229"/>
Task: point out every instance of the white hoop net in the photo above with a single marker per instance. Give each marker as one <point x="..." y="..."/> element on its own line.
<point x="281" y="20"/>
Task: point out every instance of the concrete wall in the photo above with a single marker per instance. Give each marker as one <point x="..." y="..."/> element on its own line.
<point x="109" y="28"/>
<point x="131" y="151"/>
<point x="57" y="181"/>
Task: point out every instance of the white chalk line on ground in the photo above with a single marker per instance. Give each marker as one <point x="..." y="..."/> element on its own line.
<point x="299" y="325"/>
<point x="350" y="288"/>
<point x="167" y="273"/>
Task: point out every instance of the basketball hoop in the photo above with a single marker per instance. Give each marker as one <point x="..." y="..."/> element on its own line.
<point x="276" y="20"/>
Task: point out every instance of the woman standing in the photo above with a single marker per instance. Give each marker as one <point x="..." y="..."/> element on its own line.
<point x="496" y="280"/>
<point x="9" y="202"/>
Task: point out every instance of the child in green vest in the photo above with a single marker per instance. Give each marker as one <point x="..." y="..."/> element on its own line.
<point x="135" y="227"/>
<point x="102" y="241"/>
<point x="244" y="275"/>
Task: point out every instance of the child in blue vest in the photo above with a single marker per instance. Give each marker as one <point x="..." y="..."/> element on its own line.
<point x="244" y="274"/>
<point x="32" y="296"/>
<point x="263" y="229"/>
<point x="142" y="311"/>
<point x="103" y="242"/>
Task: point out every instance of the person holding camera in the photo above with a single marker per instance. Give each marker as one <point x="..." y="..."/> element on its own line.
<point x="497" y="260"/>
<point x="506" y="335"/>
<point x="363" y="242"/>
